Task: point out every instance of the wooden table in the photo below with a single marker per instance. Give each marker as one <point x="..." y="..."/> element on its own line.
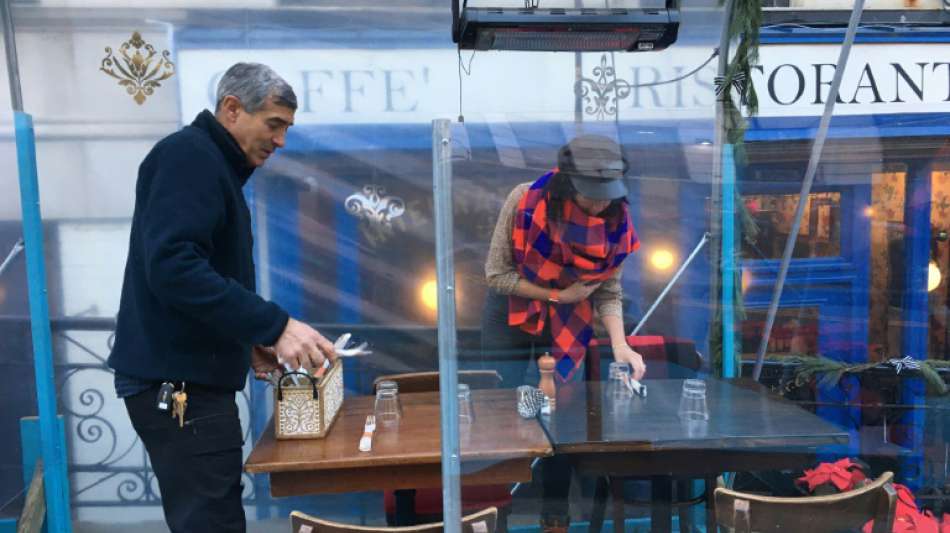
<point x="498" y="447"/>
<point x="643" y="437"/>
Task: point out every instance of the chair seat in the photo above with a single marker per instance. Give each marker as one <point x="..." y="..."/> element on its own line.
<point x="429" y="501"/>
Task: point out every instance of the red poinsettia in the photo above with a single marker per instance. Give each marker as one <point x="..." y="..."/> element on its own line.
<point x="847" y="474"/>
<point x="909" y="519"/>
<point x="844" y="475"/>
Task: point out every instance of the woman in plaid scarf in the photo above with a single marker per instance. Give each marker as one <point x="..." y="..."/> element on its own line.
<point x="555" y="258"/>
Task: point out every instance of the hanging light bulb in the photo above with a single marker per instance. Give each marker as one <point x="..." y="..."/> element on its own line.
<point x="662" y="259"/>
<point x="429" y="295"/>
<point x="933" y="276"/>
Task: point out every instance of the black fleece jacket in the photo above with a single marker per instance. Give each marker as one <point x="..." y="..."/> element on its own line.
<point x="188" y="310"/>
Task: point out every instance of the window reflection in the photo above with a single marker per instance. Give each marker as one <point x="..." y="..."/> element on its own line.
<point x="795" y="332"/>
<point x="886" y="215"/>
<point x="820" y="233"/>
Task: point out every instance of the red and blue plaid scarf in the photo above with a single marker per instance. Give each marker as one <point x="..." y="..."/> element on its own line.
<point x="556" y="254"/>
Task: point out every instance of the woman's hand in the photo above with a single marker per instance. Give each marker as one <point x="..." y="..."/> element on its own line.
<point x="625" y="354"/>
<point x="577" y="292"/>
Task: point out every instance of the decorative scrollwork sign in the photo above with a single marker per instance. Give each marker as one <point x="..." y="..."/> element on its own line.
<point x="603" y="92"/>
<point x="138" y="67"/>
<point x="373" y="205"/>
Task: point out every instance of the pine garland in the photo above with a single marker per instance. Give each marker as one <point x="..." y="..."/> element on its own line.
<point x="827" y="373"/>
<point x="744" y="26"/>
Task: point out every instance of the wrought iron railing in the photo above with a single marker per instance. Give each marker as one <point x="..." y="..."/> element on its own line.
<point x="107" y="462"/>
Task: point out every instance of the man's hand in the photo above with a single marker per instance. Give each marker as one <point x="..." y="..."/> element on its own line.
<point x="302" y="346"/>
<point x="264" y="361"/>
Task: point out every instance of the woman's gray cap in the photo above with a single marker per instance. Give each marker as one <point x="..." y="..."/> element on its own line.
<point x="595" y="165"/>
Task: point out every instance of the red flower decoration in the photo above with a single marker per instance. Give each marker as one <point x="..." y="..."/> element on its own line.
<point x="844" y="475"/>
<point x="909" y="519"/>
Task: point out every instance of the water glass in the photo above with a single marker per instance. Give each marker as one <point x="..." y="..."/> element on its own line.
<point x="466" y="409"/>
<point x="617" y="382"/>
<point x="619" y="370"/>
<point x="387" y="409"/>
<point x="693" y="400"/>
<point x="386" y="385"/>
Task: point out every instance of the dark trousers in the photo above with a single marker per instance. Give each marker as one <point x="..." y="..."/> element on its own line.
<point x="513" y="353"/>
<point x="198" y="466"/>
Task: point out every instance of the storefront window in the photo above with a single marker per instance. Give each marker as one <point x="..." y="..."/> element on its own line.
<point x="820" y="233"/>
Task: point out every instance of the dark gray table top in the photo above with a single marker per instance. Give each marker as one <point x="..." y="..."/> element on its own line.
<point x="740" y="418"/>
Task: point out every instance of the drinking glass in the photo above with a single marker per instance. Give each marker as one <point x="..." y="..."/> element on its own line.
<point x="693" y="400"/>
<point x="387" y="384"/>
<point x="617" y="381"/>
<point x="466" y="409"/>
<point x="387" y="409"/>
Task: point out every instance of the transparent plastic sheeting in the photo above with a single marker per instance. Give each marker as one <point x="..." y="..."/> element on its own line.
<point x="344" y="231"/>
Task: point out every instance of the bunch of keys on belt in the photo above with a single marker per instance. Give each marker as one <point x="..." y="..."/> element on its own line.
<point x="177" y="398"/>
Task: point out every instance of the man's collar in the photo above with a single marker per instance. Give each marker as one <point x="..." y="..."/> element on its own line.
<point x="226" y="143"/>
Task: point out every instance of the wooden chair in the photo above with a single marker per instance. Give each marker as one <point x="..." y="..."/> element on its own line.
<point x="429" y="381"/>
<point x="413" y="505"/>
<point x="481" y="522"/>
<point x="847" y="511"/>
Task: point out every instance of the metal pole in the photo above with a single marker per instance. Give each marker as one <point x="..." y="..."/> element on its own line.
<point x="13" y="68"/>
<point x="812" y="169"/>
<point x="672" y="282"/>
<point x="448" y="362"/>
<point x="715" y="194"/>
<point x="53" y="445"/>
<point x="17" y="248"/>
<point x="728" y="262"/>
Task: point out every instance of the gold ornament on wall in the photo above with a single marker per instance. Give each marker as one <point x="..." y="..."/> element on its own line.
<point x="138" y="67"/>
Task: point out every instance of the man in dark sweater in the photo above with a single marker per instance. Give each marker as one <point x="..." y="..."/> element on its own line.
<point x="189" y="319"/>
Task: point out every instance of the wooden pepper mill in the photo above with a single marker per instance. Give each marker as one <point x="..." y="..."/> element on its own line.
<point x="546" y="384"/>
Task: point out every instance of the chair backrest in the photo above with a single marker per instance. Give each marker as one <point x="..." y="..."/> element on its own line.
<point x="481" y="522"/>
<point x="665" y="357"/>
<point x="814" y="514"/>
<point x="429" y="381"/>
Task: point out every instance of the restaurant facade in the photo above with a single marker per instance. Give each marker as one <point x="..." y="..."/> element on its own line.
<point x="346" y="221"/>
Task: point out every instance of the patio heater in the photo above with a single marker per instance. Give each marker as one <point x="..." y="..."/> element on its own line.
<point x="574" y="26"/>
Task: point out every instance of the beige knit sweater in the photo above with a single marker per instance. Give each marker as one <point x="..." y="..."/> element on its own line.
<point x="500" y="267"/>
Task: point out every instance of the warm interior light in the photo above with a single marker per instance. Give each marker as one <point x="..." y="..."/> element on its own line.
<point x="933" y="276"/>
<point x="868" y="211"/>
<point x="745" y="280"/>
<point x="429" y="294"/>
<point x="661" y="259"/>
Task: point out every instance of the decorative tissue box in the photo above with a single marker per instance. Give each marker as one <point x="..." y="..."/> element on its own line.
<point x="308" y="409"/>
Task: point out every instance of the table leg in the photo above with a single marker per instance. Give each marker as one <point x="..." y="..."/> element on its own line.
<point x="660" y="508"/>
<point x="599" y="505"/>
<point x="616" y="494"/>
<point x="405" y="507"/>
<point x="711" y="526"/>
<point x="684" y="491"/>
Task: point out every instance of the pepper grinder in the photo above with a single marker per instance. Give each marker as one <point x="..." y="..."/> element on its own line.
<point x="546" y="384"/>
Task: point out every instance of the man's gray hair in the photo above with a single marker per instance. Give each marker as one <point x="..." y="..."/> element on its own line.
<point x="253" y="84"/>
